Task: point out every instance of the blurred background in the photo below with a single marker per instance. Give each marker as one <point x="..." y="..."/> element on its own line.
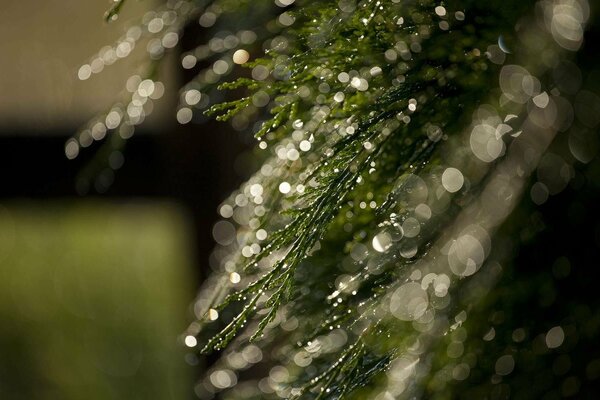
<point x="95" y="289"/>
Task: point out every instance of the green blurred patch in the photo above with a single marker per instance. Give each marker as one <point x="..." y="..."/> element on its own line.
<point x="93" y="297"/>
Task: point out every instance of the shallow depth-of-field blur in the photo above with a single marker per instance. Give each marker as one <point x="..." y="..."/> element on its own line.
<point x="92" y="298"/>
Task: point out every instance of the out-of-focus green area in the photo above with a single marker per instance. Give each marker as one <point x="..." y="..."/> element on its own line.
<point x="92" y="301"/>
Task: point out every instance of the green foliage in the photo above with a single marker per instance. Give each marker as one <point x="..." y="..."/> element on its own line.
<point x="391" y="134"/>
<point x="354" y="41"/>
